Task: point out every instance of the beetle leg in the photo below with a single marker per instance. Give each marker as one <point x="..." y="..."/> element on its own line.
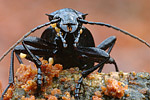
<point x="18" y="57"/>
<point x="84" y="74"/>
<point x="38" y="64"/>
<point x="11" y="74"/>
<point x="108" y="44"/>
<point x="78" y="87"/>
<point x="36" y="51"/>
<point x="33" y="41"/>
<point x="39" y="47"/>
<point x="110" y="61"/>
<point x="39" y="43"/>
<point x="91" y="53"/>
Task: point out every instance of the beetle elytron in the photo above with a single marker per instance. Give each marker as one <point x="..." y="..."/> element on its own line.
<point x="69" y="43"/>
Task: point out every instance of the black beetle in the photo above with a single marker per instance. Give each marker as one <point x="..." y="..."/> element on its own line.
<point x="69" y="43"/>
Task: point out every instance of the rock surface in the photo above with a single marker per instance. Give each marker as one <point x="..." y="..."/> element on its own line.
<point x="60" y="84"/>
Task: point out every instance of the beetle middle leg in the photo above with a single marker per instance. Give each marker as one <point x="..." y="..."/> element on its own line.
<point x="108" y="44"/>
<point x="84" y="74"/>
<point x="94" y="54"/>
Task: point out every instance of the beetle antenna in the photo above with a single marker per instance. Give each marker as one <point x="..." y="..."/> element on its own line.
<point x="26" y="35"/>
<point x="116" y="28"/>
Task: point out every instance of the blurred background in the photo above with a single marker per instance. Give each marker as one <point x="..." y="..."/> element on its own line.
<point x="18" y="17"/>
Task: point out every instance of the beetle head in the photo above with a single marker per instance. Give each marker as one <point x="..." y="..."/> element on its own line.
<point x="68" y="22"/>
<point x="68" y="19"/>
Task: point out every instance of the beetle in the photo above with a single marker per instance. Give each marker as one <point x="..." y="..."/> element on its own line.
<point x="69" y="43"/>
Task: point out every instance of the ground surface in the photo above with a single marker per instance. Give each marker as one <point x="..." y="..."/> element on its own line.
<point x="58" y="84"/>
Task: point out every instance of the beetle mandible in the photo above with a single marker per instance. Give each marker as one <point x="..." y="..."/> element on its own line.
<point x="69" y="43"/>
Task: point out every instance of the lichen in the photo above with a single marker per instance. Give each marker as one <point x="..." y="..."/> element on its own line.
<point x="59" y="84"/>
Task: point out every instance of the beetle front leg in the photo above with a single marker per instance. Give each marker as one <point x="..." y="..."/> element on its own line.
<point x="38" y="46"/>
<point x="38" y="64"/>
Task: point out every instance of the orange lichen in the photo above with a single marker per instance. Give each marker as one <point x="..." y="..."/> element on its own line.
<point x="56" y="91"/>
<point x="67" y="94"/>
<point x="114" y="88"/>
<point x="8" y="94"/>
<point x="30" y="98"/>
<point x="96" y="98"/>
<point x="133" y="73"/>
<point x="51" y="97"/>
<point x="91" y="76"/>
<point x="25" y="78"/>
<point x="133" y="82"/>
<point x="65" y="98"/>
<point x="56" y="70"/>
<point x="63" y="79"/>
<point x="127" y="95"/>
<point x="72" y="70"/>
<point x="98" y="94"/>
<point x="26" y="75"/>
<point x="72" y="87"/>
<point x="30" y="85"/>
<point x="50" y="71"/>
<point x="103" y="88"/>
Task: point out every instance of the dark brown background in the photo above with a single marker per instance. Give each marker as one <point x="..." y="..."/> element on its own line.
<point x="19" y="16"/>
